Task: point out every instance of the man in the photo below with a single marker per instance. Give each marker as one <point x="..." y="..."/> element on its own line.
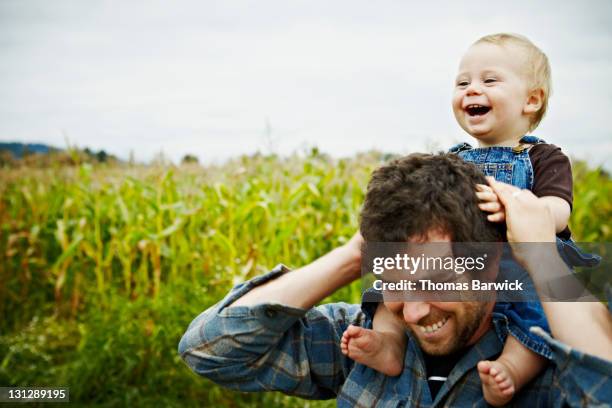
<point x="266" y="334"/>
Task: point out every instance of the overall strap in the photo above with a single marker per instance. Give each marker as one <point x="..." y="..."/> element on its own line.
<point x="461" y="147"/>
<point x="526" y="143"/>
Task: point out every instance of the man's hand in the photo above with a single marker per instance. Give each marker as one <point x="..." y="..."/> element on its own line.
<point x="528" y="218"/>
<point x="353" y="248"/>
<point x="489" y="202"/>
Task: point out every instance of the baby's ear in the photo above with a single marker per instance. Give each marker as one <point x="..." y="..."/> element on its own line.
<point x="535" y="97"/>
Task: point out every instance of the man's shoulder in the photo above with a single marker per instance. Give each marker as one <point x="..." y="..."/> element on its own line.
<point x="341" y="309"/>
<point x="341" y="314"/>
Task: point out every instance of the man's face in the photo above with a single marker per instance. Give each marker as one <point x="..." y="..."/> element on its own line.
<point x="443" y="327"/>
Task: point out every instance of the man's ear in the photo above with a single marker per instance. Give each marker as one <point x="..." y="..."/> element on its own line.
<point x="535" y="98"/>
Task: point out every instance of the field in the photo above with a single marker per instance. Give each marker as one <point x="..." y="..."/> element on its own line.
<point x="102" y="267"/>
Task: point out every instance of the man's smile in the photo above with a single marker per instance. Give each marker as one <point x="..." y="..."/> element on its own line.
<point x="434" y="328"/>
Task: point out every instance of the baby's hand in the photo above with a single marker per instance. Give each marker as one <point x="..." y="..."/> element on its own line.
<point x="490" y="203"/>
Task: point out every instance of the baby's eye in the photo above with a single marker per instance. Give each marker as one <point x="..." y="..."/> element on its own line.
<point x="490" y="80"/>
<point x="463" y="83"/>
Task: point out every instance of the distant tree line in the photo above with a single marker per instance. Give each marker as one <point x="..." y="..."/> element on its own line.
<point x="41" y="155"/>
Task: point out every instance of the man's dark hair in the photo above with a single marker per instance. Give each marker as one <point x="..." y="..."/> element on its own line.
<point x="416" y="194"/>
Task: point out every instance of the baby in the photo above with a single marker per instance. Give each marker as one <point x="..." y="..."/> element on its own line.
<point x="501" y="94"/>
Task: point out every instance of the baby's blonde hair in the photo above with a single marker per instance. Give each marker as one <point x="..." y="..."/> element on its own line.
<point x="537" y="68"/>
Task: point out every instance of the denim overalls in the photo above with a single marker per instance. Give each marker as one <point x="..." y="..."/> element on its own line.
<point x="512" y="165"/>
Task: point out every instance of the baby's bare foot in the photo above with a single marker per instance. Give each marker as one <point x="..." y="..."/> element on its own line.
<point x="377" y="350"/>
<point x="497" y="382"/>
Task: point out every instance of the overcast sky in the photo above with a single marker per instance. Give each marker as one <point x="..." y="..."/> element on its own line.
<point x="221" y="78"/>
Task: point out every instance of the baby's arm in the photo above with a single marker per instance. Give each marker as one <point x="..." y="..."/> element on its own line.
<point x="559" y="208"/>
<point x="382" y="348"/>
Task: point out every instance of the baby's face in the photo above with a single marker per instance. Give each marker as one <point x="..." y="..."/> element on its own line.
<point x="491" y="94"/>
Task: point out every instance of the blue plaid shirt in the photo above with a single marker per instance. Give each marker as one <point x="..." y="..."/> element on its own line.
<point x="271" y="347"/>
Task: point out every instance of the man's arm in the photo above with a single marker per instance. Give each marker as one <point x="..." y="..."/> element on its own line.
<point x="308" y="285"/>
<point x="585" y="326"/>
<point x="559" y="208"/>
<point x="270" y="341"/>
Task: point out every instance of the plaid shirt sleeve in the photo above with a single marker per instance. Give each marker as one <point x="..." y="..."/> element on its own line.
<point x="271" y="346"/>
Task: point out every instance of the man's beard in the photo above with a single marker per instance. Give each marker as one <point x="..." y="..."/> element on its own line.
<point x="466" y="325"/>
<point x="474" y="315"/>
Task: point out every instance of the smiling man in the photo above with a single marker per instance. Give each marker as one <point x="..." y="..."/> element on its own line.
<point x="267" y="335"/>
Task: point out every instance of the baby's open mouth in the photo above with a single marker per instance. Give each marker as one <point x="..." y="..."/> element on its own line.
<point x="477" y="110"/>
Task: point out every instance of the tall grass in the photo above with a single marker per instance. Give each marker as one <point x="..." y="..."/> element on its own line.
<point x="102" y="268"/>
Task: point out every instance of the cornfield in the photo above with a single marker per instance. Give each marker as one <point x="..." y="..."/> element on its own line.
<point x="103" y="267"/>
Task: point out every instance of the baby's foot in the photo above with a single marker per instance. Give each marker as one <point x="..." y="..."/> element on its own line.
<point x="497" y="382"/>
<point x="377" y="350"/>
